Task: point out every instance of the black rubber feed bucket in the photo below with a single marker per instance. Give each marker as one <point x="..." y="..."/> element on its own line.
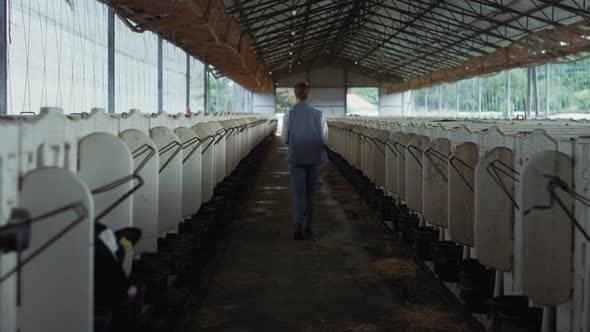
<point x="223" y="209"/>
<point x="127" y="316"/>
<point x="406" y="228"/>
<point x="446" y="256"/>
<point x="208" y="216"/>
<point x="422" y="238"/>
<point x="387" y="209"/>
<point x="476" y="285"/>
<point x="376" y="199"/>
<point x="512" y="314"/>
<point x="199" y="232"/>
<point x="182" y="250"/>
<point x="152" y="270"/>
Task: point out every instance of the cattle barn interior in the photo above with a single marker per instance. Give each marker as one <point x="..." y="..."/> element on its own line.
<point x="145" y="183"/>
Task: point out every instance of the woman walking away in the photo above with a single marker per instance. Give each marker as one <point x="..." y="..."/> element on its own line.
<point x="305" y="132"/>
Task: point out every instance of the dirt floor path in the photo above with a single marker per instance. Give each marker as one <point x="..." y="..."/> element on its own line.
<point x="352" y="277"/>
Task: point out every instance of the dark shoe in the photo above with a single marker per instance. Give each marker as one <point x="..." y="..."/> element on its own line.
<point x="308" y="234"/>
<point x="298" y="236"/>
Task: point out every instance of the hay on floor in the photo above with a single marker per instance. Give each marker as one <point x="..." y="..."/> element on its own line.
<point x="364" y="328"/>
<point x="426" y="318"/>
<point x="238" y="278"/>
<point x="208" y="318"/>
<point x="395" y="268"/>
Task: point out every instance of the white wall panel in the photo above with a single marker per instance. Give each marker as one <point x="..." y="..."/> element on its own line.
<point x="263" y="103"/>
<point x="197" y="88"/>
<point x="174" y="80"/>
<point x="326" y="77"/>
<point x="57" y="55"/>
<point x="331" y="101"/>
<point x="390" y="104"/>
<point x="136" y="70"/>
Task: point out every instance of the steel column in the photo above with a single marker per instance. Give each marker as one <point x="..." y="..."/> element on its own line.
<point x="111" y="62"/>
<point x="188" y="82"/>
<point x="457" y="96"/>
<point x="535" y="79"/>
<point x="425" y="100"/>
<point x="346" y="92"/>
<point x="403" y="102"/>
<point x="160" y="75"/>
<point x="547" y="77"/>
<point x="479" y="95"/>
<point x="439" y="99"/>
<point x="509" y="101"/>
<point x="217" y="94"/>
<point x="3" y="57"/>
<point x="206" y="88"/>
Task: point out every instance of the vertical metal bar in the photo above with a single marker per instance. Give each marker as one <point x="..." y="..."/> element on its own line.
<point x="535" y="78"/>
<point x="226" y="96"/>
<point x="3" y="57"/>
<point x="188" y="82"/>
<point x="160" y="75"/>
<point x="457" y="96"/>
<point x="529" y="93"/>
<point x="509" y="101"/>
<point x="217" y="95"/>
<point x="346" y="92"/>
<point x="403" y="101"/>
<point x="111" y="62"/>
<point x="547" y="77"/>
<point x="206" y="88"/>
<point x="479" y="96"/>
<point x="439" y="99"/>
<point x="425" y="100"/>
<point x="8" y="289"/>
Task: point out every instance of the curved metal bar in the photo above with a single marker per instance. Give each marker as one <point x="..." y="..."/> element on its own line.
<point x="167" y="148"/>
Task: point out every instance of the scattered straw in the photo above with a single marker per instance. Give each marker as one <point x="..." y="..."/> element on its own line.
<point x="207" y="318"/>
<point x="364" y="328"/>
<point x="426" y="318"/>
<point x="239" y="278"/>
<point x="395" y="268"/>
<point x="334" y="244"/>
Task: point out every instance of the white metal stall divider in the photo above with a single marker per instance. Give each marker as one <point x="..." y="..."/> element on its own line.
<point x="191" y="166"/>
<point x="207" y="160"/>
<point x="9" y="167"/>
<point x="105" y="163"/>
<point x="134" y="131"/>
<point x="170" y="172"/>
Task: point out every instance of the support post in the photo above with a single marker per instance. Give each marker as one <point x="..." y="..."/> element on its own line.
<point x="345" y="92"/>
<point x="217" y="94"/>
<point x="3" y="57"/>
<point x="226" y="96"/>
<point x="206" y="88"/>
<point x="188" y="82"/>
<point x="547" y="78"/>
<point x="509" y="99"/>
<point x="111" y="62"/>
<point x="457" y="96"/>
<point x="403" y="101"/>
<point x="479" y="96"/>
<point x="425" y="100"/>
<point x="529" y="93"/>
<point x="160" y="75"/>
<point x="439" y="99"/>
<point x="535" y="78"/>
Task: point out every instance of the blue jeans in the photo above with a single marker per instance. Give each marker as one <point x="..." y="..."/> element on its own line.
<point x="303" y="178"/>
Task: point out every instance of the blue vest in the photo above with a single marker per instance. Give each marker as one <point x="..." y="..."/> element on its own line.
<point x="306" y="146"/>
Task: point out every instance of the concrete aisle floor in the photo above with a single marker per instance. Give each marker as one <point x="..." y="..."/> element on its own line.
<point x="263" y="280"/>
